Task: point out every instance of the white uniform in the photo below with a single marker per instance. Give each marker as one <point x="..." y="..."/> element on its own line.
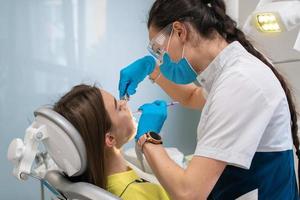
<point x="246" y="112"/>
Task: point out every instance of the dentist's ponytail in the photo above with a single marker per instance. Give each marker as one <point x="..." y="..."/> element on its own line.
<point x="229" y="29"/>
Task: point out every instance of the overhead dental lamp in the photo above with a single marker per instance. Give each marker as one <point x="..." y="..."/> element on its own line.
<point x="268" y="22"/>
<point x="271" y="17"/>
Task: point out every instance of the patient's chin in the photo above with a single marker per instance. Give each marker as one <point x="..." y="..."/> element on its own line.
<point x="132" y="133"/>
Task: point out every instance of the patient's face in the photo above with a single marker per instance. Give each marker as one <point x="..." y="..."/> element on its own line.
<point x="124" y="127"/>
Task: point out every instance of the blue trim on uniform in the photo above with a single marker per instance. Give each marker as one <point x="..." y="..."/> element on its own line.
<point x="272" y="173"/>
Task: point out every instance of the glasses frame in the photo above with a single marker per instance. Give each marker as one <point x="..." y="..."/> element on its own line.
<point x="157" y="46"/>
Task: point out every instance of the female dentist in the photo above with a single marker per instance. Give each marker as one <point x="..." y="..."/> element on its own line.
<point x="248" y="123"/>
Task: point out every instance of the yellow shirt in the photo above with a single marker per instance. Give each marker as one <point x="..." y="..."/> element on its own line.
<point x="117" y="183"/>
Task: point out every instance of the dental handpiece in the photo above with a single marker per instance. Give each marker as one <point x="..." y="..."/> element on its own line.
<point x="138" y="112"/>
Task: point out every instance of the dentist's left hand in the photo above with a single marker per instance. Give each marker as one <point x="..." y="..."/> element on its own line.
<point x="152" y="118"/>
<point x="134" y="73"/>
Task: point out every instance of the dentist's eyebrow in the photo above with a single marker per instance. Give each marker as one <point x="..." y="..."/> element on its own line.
<point x="115" y="103"/>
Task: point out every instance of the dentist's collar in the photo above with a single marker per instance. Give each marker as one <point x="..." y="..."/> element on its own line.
<point x="214" y="69"/>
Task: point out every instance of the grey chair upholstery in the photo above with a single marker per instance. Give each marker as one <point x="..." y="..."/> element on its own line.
<point x="79" y="190"/>
<point x="60" y="129"/>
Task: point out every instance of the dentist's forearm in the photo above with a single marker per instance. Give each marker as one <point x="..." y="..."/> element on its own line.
<point x="189" y="95"/>
<point x="169" y="174"/>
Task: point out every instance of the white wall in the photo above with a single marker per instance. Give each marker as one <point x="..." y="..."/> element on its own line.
<point x="48" y="46"/>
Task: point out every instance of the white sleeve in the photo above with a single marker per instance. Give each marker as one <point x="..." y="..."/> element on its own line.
<point x="236" y="117"/>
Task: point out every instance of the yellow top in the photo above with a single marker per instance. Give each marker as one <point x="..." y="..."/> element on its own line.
<point x="136" y="190"/>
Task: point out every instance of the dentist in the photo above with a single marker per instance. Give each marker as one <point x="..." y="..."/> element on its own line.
<point x="248" y="123"/>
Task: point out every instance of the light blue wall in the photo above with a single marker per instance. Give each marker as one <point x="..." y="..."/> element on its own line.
<point x="48" y="46"/>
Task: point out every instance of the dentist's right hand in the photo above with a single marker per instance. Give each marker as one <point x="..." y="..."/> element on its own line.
<point x="152" y="118"/>
<point x="134" y="73"/>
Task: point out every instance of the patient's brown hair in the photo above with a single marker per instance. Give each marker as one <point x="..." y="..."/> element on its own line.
<point x="83" y="106"/>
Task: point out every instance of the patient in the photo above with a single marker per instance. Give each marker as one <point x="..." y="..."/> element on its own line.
<point x="105" y="125"/>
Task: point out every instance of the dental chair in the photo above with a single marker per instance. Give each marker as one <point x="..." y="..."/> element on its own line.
<point x="52" y="151"/>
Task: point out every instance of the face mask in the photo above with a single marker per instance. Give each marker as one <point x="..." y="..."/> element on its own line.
<point x="180" y="72"/>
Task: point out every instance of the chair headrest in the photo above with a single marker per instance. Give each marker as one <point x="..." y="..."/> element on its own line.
<point x="64" y="143"/>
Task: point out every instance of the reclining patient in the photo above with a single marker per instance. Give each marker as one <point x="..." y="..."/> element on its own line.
<point x="105" y="125"/>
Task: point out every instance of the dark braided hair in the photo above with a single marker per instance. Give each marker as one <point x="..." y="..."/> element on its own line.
<point x="207" y="17"/>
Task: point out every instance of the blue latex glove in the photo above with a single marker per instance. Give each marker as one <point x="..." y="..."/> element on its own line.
<point x="152" y="118"/>
<point x="133" y="74"/>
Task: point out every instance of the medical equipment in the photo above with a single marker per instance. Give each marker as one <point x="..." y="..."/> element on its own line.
<point x="179" y="72"/>
<point x="275" y="16"/>
<point x="64" y="155"/>
<point x="125" y="97"/>
<point x="52" y="151"/>
<point x="268" y="22"/>
<point x="139" y="112"/>
<point x="158" y="44"/>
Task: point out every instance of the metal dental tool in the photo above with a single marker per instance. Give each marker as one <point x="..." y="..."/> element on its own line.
<point x="138" y="112"/>
<point x="126" y="97"/>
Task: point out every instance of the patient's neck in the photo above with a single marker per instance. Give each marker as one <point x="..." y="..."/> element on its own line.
<point x="114" y="163"/>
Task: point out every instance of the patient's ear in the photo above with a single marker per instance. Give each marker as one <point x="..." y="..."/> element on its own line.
<point x="110" y="140"/>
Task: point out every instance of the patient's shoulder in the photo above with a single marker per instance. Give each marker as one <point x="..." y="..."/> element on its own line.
<point x="133" y="187"/>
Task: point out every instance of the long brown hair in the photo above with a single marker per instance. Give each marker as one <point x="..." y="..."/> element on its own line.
<point x="208" y="16"/>
<point x="83" y="107"/>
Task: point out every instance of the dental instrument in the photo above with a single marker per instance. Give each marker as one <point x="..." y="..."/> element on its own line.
<point x="125" y="97"/>
<point x="138" y="112"/>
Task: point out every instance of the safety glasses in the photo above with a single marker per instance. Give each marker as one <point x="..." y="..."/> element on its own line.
<point x="157" y="46"/>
